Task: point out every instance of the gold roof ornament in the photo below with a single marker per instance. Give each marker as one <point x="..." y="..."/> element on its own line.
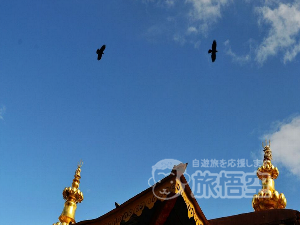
<point x="268" y="197"/>
<point x="72" y="195"/>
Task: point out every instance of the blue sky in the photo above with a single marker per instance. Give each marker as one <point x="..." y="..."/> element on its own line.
<point x="154" y="95"/>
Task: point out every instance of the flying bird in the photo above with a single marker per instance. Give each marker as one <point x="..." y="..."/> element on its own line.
<point x="100" y="51"/>
<point x="213" y="51"/>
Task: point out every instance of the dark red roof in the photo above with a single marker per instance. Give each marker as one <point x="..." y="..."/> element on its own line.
<point x="267" y="217"/>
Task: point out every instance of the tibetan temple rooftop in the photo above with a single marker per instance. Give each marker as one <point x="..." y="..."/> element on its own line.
<point x="171" y="202"/>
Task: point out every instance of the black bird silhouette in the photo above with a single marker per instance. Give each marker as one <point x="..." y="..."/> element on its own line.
<point x="100" y="51"/>
<point x="213" y="51"/>
<point x="117" y="205"/>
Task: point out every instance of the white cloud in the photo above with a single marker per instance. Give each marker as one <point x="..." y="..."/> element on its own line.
<point x="206" y="12"/>
<point x="155" y="30"/>
<point x="197" y="15"/>
<point x="197" y="44"/>
<point x="170" y="2"/>
<point x="161" y="2"/>
<point x="192" y="30"/>
<point x="291" y="53"/>
<point x="2" y="111"/>
<point x="179" y="38"/>
<point x="206" y="9"/>
<point x="279" y="19"/>
<point x="285" y="144"/>
<point x="236" y="58"/>
<point x="283" y="35"/>
<point x="153" y="33"/>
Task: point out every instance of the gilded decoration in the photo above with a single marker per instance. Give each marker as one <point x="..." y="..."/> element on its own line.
<point x="148" y="200"/>
<point x="161" y="192"/>
<point x="268" y="197"/>
<point x="190" y="206"/>
<point x="72" y="195"/>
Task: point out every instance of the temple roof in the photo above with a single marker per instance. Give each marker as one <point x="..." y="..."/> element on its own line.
<point x="266" y="217"/>
<point x="169" y="201"/>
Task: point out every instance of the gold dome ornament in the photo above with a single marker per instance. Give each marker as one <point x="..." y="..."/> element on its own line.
<point x="72" y="195"/>
<point x="268" y="197"/>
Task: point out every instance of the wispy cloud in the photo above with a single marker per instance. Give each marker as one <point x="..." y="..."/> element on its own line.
<point x="195" y="17"/>
<point x="179" y="38"/>
<point x="191" y="20"/>
<point x="192" y="30"/>
<point x="283" y="35"/>
<point x="206" y="12"/>
<point x="197" y="44"/>
<point x="161" y="2"/>
<point x="2" y="111"/>
<point x="285" y="144"/>
<point x="239" y="59"/>
<point x="153" y="33"/>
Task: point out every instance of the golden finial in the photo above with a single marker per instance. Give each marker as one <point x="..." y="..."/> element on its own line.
<point x="266" y="145"/>
<point x="268" y="197"/>
<point x="80" y="164"/>
<point x="72" y="195"/>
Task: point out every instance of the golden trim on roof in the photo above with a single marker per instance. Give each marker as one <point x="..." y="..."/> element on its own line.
<point x="190" y="206"/>
<point x="148" y="200"/>
<point x="161" y="192"/>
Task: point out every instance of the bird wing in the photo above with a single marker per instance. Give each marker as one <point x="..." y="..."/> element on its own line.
<point x="102" y="48"/>
<point x="214" y="45"/>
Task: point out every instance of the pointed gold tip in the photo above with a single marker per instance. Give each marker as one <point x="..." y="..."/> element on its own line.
<point x="265" y="144"/>
<point x="80" y="163"/>
<point x="72" y="195"/>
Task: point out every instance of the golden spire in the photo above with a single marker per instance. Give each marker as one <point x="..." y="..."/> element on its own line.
<point x="72" y="195"/>
<point x="268" y="197"/>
